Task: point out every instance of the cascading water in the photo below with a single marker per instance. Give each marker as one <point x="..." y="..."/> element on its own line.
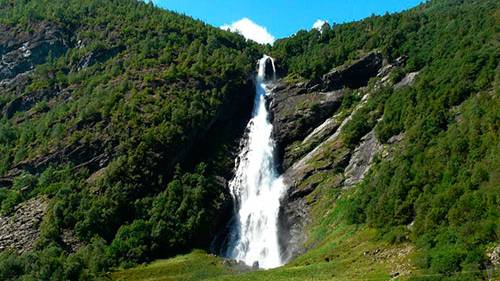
<point x="257" y="188"/>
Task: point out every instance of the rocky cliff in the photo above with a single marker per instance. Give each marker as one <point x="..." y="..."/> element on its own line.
<point x="308" y="125"/>
<point x="22" y="50"/>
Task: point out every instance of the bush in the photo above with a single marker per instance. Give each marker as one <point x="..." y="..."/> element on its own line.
<point x="131" y="243"/>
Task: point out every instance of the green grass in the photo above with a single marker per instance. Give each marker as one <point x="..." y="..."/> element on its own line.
<point x="341" y="258"/>
<point x="338" y="251"/>
<point x="197" y="265"/>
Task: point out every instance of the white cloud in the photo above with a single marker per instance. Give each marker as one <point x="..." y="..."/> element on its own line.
<point x="318" y="24"/>
<point x="250" y="30"/>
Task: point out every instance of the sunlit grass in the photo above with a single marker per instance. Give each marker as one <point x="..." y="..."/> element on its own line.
<point x="197" y="265"/>
<point x="339" y="251"/>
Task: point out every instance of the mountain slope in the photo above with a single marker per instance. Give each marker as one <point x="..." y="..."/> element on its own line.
<point x="434" y="177"/>
<point x="120" y="122"/>
<point x="388" y="131"/>
<point x="104" y="105"/>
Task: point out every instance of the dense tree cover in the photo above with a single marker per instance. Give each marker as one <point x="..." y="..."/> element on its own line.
<point x="424" y="33"/>
<point x="160" y="83"/>
<point x="441" y="190"/>
<point x="164" y="80"/>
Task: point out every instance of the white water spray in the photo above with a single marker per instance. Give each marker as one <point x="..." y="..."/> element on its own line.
<point x="257" y="188"/>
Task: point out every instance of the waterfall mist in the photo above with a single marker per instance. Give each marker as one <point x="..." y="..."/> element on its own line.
<point x="256" y="187"/>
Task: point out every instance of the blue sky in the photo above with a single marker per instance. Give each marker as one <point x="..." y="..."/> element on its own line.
<point x="282" y="18"/>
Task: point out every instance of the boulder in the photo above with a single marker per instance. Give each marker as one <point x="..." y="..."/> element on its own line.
<point x="354" y="75"/>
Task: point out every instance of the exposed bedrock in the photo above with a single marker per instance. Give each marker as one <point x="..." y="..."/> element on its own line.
<point x="353" y="75"/>
<point x="361" y="159"/>
<point x="296" y="112"/>
<point x="21" y="51"/>
<point x="307" y="131"/>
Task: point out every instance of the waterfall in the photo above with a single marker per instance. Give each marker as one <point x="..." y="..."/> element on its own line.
<point x="256" y="187"/>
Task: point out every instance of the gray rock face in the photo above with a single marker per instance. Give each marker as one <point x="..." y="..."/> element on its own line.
<point x="27" y="101"/>
<point x="97" y="56"/>
<point x="296" y="112"/>
<point x="298" y="109"/>
<point x="294" y="212"/>
<point x="307" y="132"/>
<point x="89" y="155"/>
<point x="19" y="230"/>
<point x="361" y="159"/>
<point x="20" y="51"/>
<point x="354" y="75"/>
<point x="307" y="129"/>
<point x="294" y="218"/>
<point x="407" y="80"/>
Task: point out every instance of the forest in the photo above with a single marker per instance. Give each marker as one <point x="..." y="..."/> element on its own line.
<point x="140" y="106"/>
<point x="442" y="190"/>
<point x="163" y="82"/>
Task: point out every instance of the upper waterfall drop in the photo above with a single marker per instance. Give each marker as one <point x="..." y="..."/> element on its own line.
<point x="256" y="187"/>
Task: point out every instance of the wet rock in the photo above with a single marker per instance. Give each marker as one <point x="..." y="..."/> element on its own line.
<point x="354" y="75"/>
<point x="269" y="69"/>
<point x="255" y="265"/>
<point x="294" y="217"/>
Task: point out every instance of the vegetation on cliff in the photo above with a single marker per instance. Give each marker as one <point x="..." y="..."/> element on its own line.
<point x="108" y="125"/>
<point x="128" y="115"/>
<point x="441" y="189"/>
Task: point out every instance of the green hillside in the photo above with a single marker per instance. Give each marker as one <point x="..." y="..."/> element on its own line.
<point x="106" y="125"/>
<point x="441" y="190"/>
<point x="125" y="118"/>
